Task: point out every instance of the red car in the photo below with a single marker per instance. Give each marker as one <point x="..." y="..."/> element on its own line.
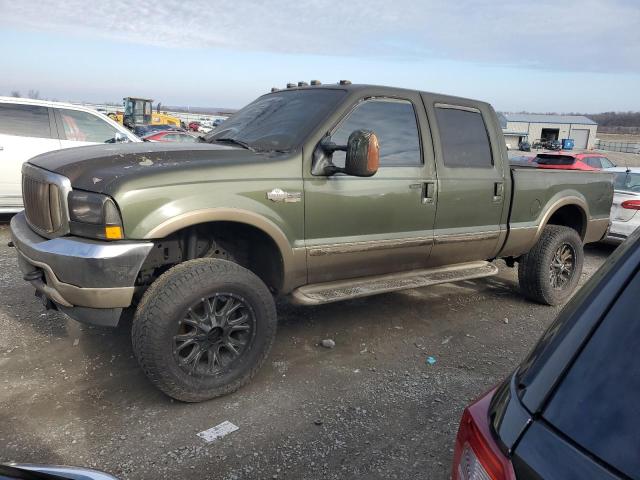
<point x="193" y="126"/>
<point x="171" y="136"/>
<point x="572" y="161"/>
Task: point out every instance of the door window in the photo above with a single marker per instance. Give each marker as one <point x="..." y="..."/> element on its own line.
<point x="24" y="120"/>
<point x="85" y="127"/>
<point x="394" y="123"/>
<point x="463" y="138"/>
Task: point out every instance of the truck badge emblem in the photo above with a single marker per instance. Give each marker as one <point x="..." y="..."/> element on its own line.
<point x="279" y="195"/>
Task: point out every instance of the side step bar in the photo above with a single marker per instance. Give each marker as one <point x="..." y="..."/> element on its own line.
<point x="364" y="286"/>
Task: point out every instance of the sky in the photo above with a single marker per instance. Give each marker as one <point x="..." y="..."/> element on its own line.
<point x="538" y="56"/>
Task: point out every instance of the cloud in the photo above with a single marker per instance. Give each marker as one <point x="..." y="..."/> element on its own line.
<point x="572" y="35"/>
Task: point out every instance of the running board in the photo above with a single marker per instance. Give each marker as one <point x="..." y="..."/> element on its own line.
<point x="364" y="286"/>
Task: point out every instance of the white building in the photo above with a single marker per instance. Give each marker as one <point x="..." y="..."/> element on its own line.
<point x="550" y="127"/>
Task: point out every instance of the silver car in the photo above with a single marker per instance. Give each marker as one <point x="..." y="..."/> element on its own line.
<point x="626" y="203"/>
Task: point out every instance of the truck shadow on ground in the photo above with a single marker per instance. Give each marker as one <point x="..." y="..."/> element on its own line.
<point x="21" y="445"/>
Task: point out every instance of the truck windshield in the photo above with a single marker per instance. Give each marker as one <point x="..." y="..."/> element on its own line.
<point x="278" y="121"/>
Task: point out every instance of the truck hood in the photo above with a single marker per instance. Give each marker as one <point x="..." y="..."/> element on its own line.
<point x="103" y="168"/>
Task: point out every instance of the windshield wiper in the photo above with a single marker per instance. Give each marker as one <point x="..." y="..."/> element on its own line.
<point x="234" y="141"/>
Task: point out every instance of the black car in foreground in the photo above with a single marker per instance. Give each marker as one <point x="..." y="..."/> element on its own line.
<point x="571" y="410"/>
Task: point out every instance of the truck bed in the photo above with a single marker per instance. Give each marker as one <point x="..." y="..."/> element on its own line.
<point x="538" y="194"/>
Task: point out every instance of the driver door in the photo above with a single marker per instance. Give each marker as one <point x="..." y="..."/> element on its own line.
<point x="357" y="226"/>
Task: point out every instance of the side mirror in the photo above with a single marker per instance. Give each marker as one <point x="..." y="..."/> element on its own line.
<point x="120" y="138"/>
<point x="363" y="154"/>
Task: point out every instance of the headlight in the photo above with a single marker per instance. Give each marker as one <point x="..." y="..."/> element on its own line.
<point x="94" y="215"/>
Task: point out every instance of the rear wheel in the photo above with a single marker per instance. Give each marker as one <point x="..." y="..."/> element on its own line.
<point x="203" y="329"/>
<point x="550" y="271"/>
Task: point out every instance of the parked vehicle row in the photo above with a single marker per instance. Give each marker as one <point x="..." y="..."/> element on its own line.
<point x="319" y="194"/>
<point x="547" y="143"/>
<point x="205" y="126"/>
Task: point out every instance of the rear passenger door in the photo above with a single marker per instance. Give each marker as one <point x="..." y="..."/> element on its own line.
<point x="469" y="222"/>
<point x="25" y="131"/>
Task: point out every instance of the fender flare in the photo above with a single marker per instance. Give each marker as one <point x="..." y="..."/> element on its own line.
<point x="557" y="205"/>
<point x="294" y="260"/>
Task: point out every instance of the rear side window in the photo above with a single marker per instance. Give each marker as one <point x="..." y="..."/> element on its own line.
<point x="24" y="120"/>
<point x="463" y="138"/>
<point x="85" y="127"/>
<point x="606" y="163"/>
<point x="593" y="162"/>
<point x="596" y="405"/>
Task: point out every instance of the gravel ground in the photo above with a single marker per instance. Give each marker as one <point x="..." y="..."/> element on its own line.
<point x="371" y="407"/>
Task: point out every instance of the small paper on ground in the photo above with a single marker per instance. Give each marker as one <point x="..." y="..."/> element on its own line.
<point x="218" y="431"/>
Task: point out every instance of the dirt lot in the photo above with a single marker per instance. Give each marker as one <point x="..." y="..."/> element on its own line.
<point x="369" y="408"/>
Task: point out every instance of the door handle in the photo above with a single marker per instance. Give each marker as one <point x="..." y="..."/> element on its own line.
<point x="428" y="192"/>
<point x="498" y="191"/>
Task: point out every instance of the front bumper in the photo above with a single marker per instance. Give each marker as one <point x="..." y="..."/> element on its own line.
<point x="89" y="280"/>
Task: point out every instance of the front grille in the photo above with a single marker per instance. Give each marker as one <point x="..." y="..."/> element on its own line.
<point x="37" y="200"/>
<point x="44" y="195"/>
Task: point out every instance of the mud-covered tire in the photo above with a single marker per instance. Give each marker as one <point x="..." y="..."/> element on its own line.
<point x="535" y="267"/>
<point x="170" y="304"/>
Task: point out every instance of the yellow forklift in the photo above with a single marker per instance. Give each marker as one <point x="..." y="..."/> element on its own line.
<point x="139" y="111"/>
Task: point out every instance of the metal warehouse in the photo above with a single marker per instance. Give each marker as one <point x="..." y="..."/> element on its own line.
<point x="549" y="127"/>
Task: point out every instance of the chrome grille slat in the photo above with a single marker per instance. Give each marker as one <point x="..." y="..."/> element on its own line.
<point x="45" y="201"/>
<point x="54" y="206"/>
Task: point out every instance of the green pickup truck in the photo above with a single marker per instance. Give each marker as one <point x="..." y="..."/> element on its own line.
<point x="316" y="193"/>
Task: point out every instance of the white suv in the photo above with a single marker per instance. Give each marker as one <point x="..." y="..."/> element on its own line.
<point x="31" y="127"/>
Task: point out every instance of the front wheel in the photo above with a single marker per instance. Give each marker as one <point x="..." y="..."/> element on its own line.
<point x="203" y="329"/>
<point x="550" y="271"/>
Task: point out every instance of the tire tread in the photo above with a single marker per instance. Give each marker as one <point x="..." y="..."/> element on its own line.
<point x="157" y="301"/>
<point x="533" y="266"/>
